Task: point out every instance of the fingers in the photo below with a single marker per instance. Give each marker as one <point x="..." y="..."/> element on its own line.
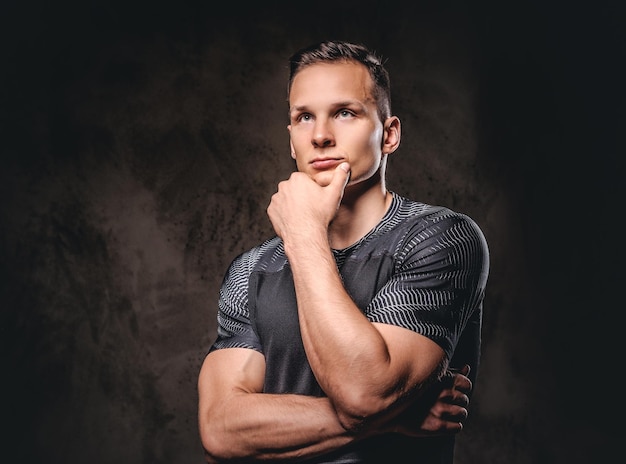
<point x="454" y="396"/>
<point x="459" y="379"/>
<point x="458" y="398"/>
<point x="462" y="383"/>
<point x="435" y="426"/>
<point x="454" y="410"/>
<point x="457" y="393"/>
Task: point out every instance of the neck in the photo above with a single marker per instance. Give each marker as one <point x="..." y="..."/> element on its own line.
<point x="361" y="209"/>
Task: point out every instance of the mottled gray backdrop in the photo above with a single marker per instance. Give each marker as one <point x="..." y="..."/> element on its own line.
<point x="141" y="142"/>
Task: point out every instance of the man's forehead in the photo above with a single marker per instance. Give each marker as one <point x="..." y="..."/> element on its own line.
<point x="331" y="82"/>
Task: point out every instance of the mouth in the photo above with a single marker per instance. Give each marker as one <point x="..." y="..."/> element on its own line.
<point x="325" y="163"/>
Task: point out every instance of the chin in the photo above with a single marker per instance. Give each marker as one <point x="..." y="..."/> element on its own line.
<point x="323" y="178"/>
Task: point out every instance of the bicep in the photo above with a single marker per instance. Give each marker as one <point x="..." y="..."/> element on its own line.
<point x="227" y="378"/>
<point x="228" y="372"/>
<point x="414" y="359"/>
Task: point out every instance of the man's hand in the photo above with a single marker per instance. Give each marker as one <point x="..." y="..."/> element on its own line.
<point x="301" y="207"/>
<point x="448" y="400"/>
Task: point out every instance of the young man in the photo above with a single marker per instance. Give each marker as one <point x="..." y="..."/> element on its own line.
<point x="335" y="336"/>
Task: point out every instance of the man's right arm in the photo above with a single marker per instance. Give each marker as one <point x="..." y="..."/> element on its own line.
<point x="237" y="420"/>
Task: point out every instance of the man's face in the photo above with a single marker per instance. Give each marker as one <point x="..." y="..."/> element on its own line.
<point x="334" y="118"/>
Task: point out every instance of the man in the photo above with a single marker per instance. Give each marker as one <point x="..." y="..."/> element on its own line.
<point x="335" y="336"/>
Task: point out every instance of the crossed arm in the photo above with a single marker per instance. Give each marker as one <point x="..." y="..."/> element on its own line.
<point x="237" y="421"/>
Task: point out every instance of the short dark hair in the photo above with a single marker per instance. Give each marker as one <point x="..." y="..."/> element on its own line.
<point x="330" y="51"/>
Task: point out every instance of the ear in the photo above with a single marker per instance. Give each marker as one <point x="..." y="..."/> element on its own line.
<point x="391" y="135"/>
<point x="291" y="149"/>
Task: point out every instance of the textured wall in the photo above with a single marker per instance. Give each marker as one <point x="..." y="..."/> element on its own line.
<point x="141" y="144"/>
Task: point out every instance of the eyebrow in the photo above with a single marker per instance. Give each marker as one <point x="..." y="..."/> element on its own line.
<point x="340" y="104"/>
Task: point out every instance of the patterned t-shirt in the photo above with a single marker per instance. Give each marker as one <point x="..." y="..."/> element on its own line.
<point x="422" y="267"/>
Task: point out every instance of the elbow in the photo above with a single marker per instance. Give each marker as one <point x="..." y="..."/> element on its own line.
<point x="355" y="411"/>
<point x="212" y="451"/>
<point x="213" y="445"/>
<point x="352" y="423"/>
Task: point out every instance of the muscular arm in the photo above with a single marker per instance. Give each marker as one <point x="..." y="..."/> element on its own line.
<point x="236" y="420"/>
<point x="368" y="370"/>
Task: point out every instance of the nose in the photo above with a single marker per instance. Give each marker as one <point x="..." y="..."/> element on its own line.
<point x="323" y="134"/>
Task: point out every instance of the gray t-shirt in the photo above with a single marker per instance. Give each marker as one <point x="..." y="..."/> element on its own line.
<point x="422" y="267"/>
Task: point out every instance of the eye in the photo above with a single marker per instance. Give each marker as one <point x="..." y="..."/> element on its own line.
<point x="345" y="114"/>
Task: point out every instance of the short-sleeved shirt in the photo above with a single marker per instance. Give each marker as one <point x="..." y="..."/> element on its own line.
<point x="422" y="267"/>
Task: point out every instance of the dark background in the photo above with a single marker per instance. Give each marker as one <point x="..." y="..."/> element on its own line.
<point x="141" y="142"/>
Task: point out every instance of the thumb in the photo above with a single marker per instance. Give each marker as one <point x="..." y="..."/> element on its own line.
<point x="341" y="176"/>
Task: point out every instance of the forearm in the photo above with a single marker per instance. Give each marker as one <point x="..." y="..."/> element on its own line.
<point x="346" y="351"/>
<point x="258" y="426"/>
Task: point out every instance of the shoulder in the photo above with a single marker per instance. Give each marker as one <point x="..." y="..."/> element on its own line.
<point x="258" y="257"/>
<point x="419" y="214"/>
<point x="431" y="227"/>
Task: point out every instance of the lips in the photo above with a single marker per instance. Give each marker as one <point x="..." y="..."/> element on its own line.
<point x="325" y="163"/>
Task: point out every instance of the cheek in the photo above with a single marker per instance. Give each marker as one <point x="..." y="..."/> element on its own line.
<point x="371" y="147"/>
<point x="371" y="150"/>
<point x="300" y="164"/>
<point x="298" y="141"/>
<point x="376" y="139"/>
